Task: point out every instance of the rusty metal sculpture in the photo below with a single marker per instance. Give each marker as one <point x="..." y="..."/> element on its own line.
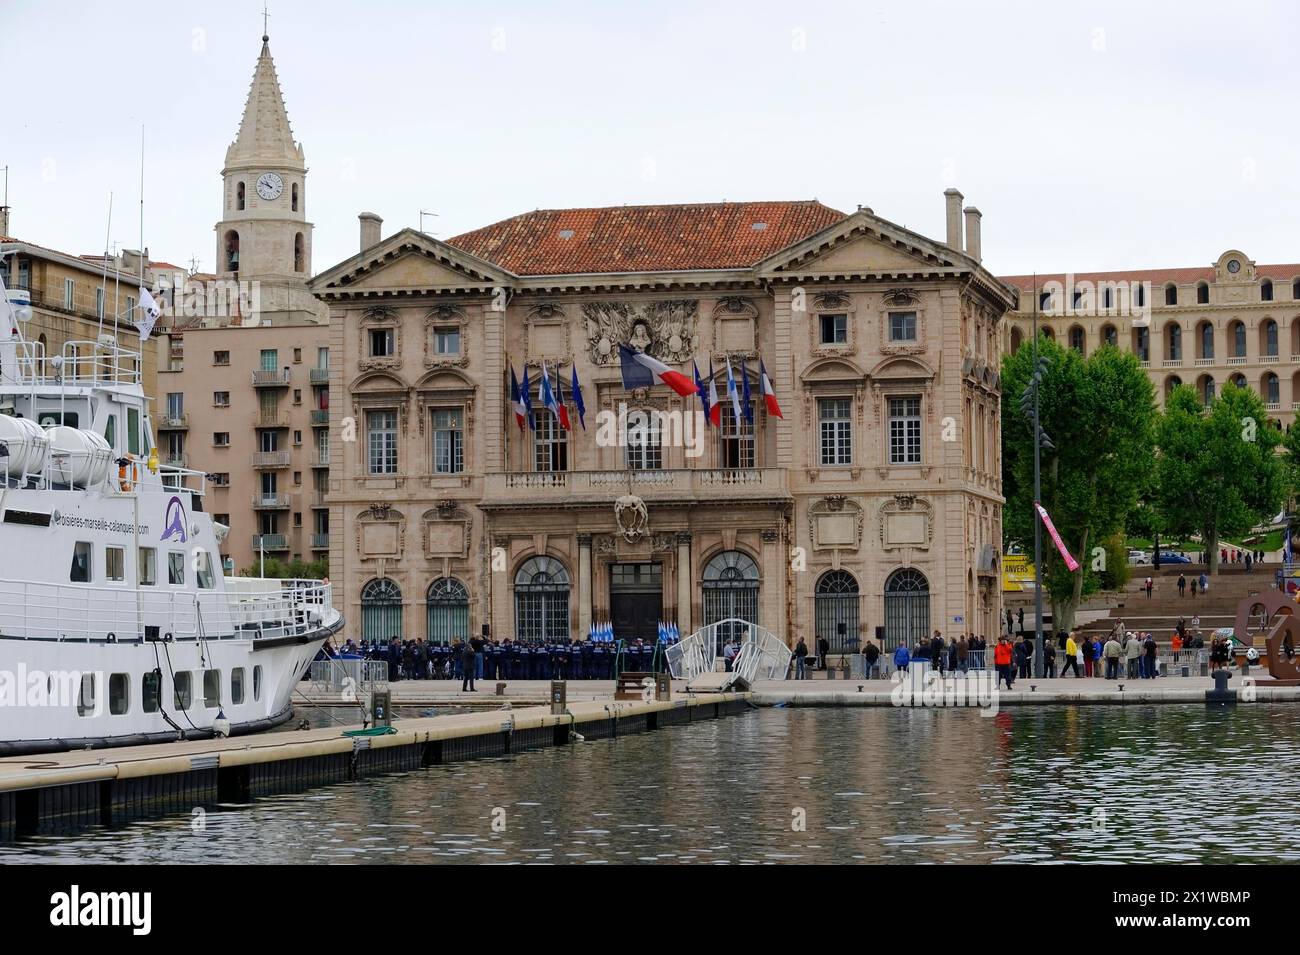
<point x="1280" y="630"/>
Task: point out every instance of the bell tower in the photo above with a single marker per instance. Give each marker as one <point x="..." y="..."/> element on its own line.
<point x="264" y="236"/>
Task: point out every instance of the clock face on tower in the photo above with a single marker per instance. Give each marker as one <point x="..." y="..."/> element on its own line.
<point x="269" y="186"/>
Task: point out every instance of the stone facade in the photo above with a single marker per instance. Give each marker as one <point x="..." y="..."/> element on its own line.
<point x="1233" y="320"/>
<point x="884" y="473"/>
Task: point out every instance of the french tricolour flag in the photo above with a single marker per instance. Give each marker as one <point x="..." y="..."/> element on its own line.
<point x="641" y="371"/>
<point x="735" y="395"/>
<point x="549" y="400"/>
<point x="769" y="396"/>
<point x="517" y="400"/>
<point x="715" y="406"/>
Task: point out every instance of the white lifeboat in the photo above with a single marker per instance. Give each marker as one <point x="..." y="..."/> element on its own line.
<point x="78" y="458"/>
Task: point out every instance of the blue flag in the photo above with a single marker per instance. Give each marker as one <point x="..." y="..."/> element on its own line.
<point x="577" y="399"/>
<point x="704" y="392"/>
<point x="526" y="399"/>
<point x="744" y="383"/>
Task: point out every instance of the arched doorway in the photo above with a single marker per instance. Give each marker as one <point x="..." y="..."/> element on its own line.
<point x="542" y="600"/>
<point x="446" y="611"/>
<point x="907" y="607"/>
<point x="381" y="610"/>
<point x="730" y="589"/>
<point x="835" y="610"/>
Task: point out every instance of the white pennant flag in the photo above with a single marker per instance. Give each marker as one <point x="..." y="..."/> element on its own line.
<point x="149" y="312"/>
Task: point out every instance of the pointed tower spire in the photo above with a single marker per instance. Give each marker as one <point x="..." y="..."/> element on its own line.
<point x="264" y="133"/>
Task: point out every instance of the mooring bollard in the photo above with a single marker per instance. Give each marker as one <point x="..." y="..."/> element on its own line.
<point x="559" y="697"/>
<point x="1221" y="693"/>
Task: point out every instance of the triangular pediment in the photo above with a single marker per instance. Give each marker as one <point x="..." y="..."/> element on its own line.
<point x="410" y="262"/>
<point x="864" y="244"/>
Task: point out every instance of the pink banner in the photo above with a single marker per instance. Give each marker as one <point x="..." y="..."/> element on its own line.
<point x="1056" y="538"/>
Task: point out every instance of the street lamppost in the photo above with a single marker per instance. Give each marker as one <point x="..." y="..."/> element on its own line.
<point x="1029" y="406"/>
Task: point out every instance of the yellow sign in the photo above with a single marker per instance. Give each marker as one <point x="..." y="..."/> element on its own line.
<point x="1017" y="573"/>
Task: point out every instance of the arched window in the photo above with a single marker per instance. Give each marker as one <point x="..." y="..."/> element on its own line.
<point x="1272" y="393"/>
<point x="1202" y="294"/>
<point x="907" y="608"/>
<point x="1207" y="341"/>
<point x="1295" y="289"/>
<point x="239" y="196"/>
<point x="1076" y="339"/>
<point x="1142" y="343"/>
<point x="1172" y="382"/>
<point x="835" y="605"/>
<point x="1048" y="333"/>
<point x="1238" y="340"/>
<point x="1016" y="339"/>
<point x="1240" y="381"/>
<point x="1044" y="301"/>
<point x="730" y="591"/>
<point x="1207" y="390"/>
<point x="1110" y="336"/>
<point x="1266" y="290"/>
<point x="446" y="611"/>
<point x="1270" y="337"/>
<point x="1175" y="334"/>
<point x="293" y="197"/>
<point x="1171" y="294"/>
<point x="542" y="600"/>
<point x="1140" y="294"/>
<point x="381" y="610"/>
<point x="232" y="251"/>
<point x="299" y="255"/>
<point x="1108" y="298"/>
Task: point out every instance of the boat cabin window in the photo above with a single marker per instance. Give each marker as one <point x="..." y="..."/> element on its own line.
<point x="86" y="699"/>
<point x="80" y="573"/>
<point x="182" y="691"/>
<point x="50" y="419"/>
<point x="110" y="431"/>
<point x="257" y="683"/>
<point x="176" y="567"/>
<point x="237" y="685"/>
<point x="133" y="430"/>
<point x="152" y="686"/>
<point x="119" y="694"/>
<point x="212" y="689"/>
<point x="203" y="571"/>
<point x="115" y="564"/>
<point x="148" y="567"/>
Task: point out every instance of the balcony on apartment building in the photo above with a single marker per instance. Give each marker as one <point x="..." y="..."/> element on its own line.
<point x="270" y="542"/>
<point x="318" y="500"/>
<point x="319" y="376"/>
<point x="665" y="486"/>
<point x="274" y="378"/>
<point x="271" y="502"/>
<point x="175" y="459"/>
<point x="320" y="541"/>
<point x="270" y="459"/>
<point x="320" y="417"/>
<point x="270" y="419"/>
<point x="321" y="459"/>
<point x="171" y="422"/>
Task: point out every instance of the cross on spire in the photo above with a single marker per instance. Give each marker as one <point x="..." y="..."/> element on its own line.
<point x="266" y="34"/>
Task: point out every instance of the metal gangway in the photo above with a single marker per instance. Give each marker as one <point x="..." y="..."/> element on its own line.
<point x="763" y="656"/>
<point x="347" y="675"/>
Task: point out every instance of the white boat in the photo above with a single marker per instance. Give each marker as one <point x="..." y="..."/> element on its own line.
<point x="117" y="625"/>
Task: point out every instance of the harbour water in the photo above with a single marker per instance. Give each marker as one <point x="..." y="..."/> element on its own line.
<point x="1170" y="783"/>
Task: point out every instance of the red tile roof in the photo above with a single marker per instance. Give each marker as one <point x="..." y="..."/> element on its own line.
<point x="1157" y="277"/>
<point x="710" y="235"/>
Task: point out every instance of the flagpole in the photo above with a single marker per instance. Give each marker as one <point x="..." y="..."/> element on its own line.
<point x="103" y="280"/>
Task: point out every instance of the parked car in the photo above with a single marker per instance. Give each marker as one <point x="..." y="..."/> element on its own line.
<point x="1136" y="557"/>
<point x="1169" y="557"/>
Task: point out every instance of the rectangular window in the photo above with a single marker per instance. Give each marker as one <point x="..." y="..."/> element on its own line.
<point x="297" y="438"/>
<point x="737" y="449"/>
<point x="182" y="690"/>
<point x="221" y="439"/>
<point x="322" y="357"/>
<point x="550" y="443"/>
<point x="221" y="479"/>
<point x="381" y="442"/>
<point x="86" y="698"/>
<point x="221" y="399"/>
<point x="297" y="356"/>
<point x="270" y="359"/>
<point x="904" y="430"/>
<point x="80" y="573"/>
<point x="835" y="416"/>
<point x="130" y="308"/>
<point x="644" y="442"/>
<point x="175" y="404"/>
<point x="69" y="292"/>
<point x="148" y="569"/>
<point x="133" y="430"/>
<point x="448" y="441"/>
<point x="176" y="568"/>
<point x="835" y="329"/>
<point x="446" y="341"/>
<point x="381" y="342"/>
<point x="237" y="686"/>
<point x="222" y="519"/>
<point x="119" y="694"/>
<point x="902" y="326"/>
<point x="99" y="303"/>
<point x="221" y="358"/>
<point x="151" y="686"/>
<point x="115" y="564"/>
<point x="203" y="571"/>
<point x="212" y="689"/>
<point x="297" y="518"/>
<point x="297" y="396"/>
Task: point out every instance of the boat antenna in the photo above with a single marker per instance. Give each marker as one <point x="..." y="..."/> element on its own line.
<point x="103" y="281"/>
<point x="137" y="305"/>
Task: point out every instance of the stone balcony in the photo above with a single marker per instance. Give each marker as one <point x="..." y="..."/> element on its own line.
<point x="511" y="489"/>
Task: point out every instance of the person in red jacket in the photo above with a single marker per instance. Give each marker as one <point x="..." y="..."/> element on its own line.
<point x="1002" y="660"/>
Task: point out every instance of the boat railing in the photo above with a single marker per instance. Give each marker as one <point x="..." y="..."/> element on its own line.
<point x="87" y="612"/>
<point x="80" y="362"/>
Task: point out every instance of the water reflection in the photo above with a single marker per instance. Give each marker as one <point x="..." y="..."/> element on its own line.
<point x="1176" y="783"/>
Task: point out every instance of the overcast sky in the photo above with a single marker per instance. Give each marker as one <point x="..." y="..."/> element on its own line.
<point x="1110" y="135"/>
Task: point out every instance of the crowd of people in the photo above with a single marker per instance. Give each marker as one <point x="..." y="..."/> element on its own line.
<point x="480" y="659"/>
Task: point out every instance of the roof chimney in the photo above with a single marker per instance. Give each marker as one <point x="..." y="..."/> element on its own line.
<point x="953" y="199"/>
<point x="370" y="226"/>
<point x="973" y="217"/>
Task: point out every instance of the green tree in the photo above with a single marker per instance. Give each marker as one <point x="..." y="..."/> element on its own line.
<point x="289" y="569"/>
<point x="1099" y="413"/>
<point x="1218" y="472"/>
